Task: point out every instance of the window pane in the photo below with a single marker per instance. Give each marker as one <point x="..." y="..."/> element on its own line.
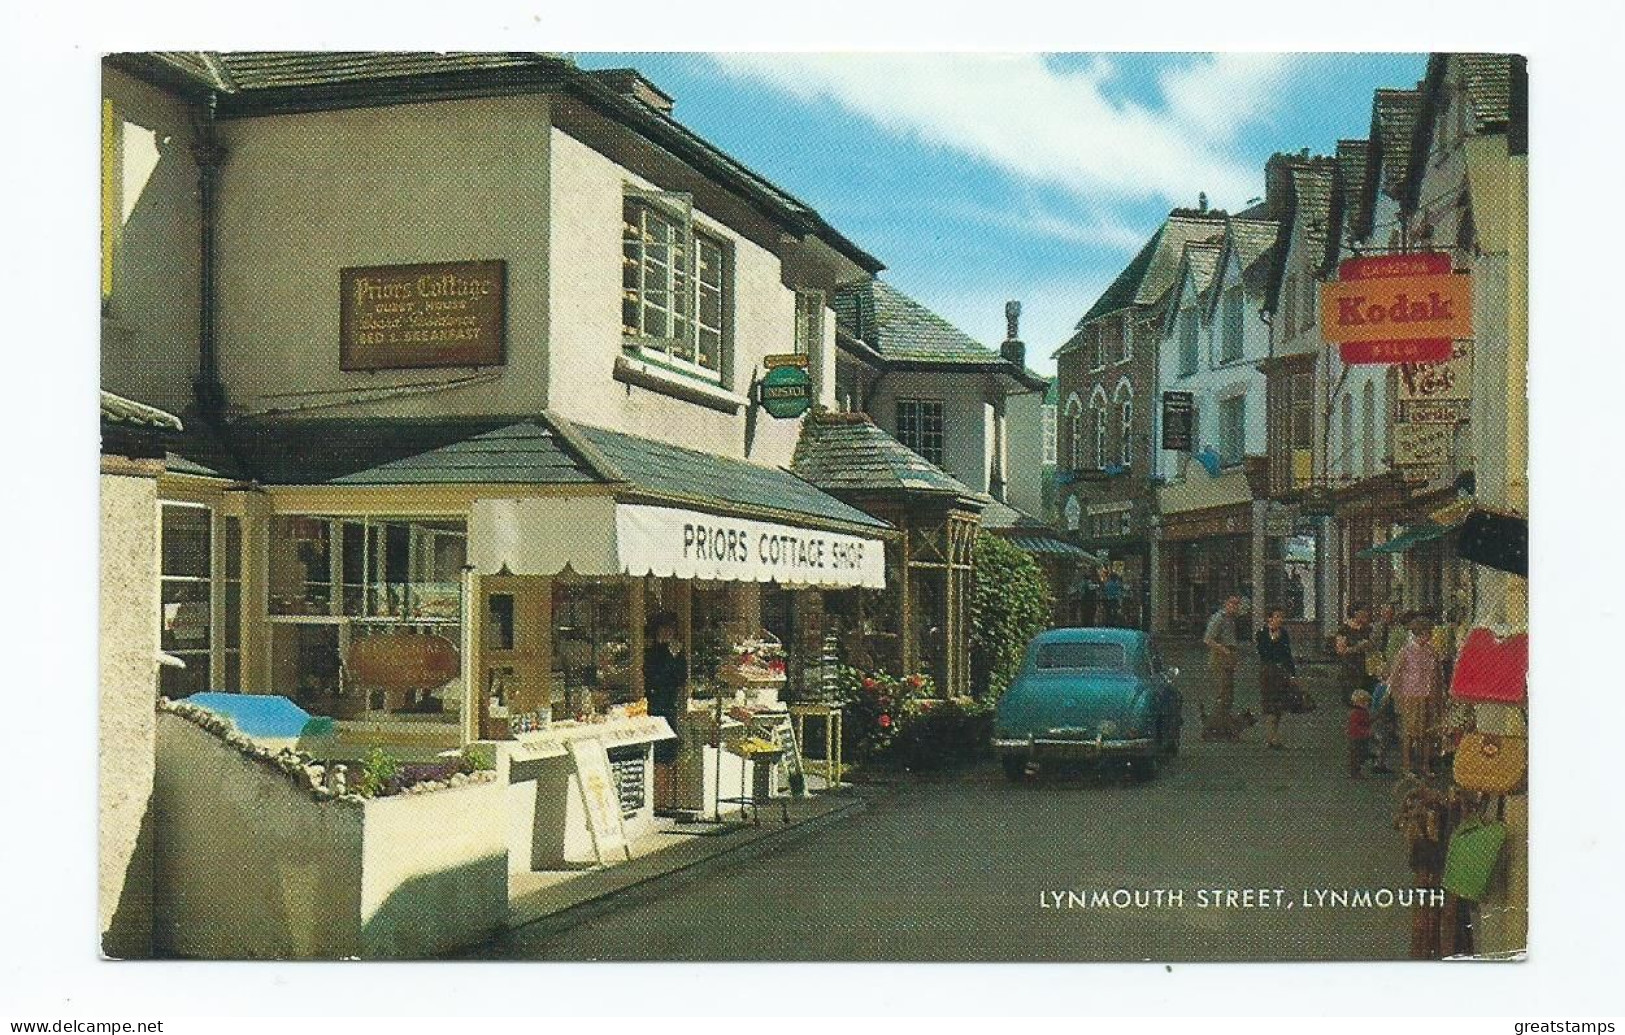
<point x="1080" y="655"/>
<point x="185" y="616"/>
<point x="186" y="541"/>
<point x="176" y="683"/>
<point x="233" y="547"/>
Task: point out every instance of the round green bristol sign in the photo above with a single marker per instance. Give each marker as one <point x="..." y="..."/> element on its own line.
<point x="786" y="391"/>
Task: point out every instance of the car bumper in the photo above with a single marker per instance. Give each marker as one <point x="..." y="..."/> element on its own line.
<point x="1073" y="747"/>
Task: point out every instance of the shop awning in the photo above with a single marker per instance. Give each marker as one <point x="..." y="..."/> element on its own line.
<point x="1415" y="535"/>
<point x="1049" y="546"/>
<point x="601" y="536"/>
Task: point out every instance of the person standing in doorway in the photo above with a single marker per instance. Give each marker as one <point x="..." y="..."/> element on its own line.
<point x="665" y="675"/>
<point x="1277" y="675"/>
<point x="1223" y="653"/>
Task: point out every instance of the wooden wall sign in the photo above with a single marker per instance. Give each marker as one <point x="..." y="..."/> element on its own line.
<point x="438" y="314"/>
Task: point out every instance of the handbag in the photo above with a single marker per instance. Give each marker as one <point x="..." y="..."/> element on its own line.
<point x="1492" y="669"/>
<point x="1475" y="848"/>
<point x="1490" y="763"/>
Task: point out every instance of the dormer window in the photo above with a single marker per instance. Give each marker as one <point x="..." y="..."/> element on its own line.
<point x="674" y="285"/>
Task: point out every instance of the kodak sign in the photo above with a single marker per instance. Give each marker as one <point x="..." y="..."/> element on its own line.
<point x="1397" y="308"/>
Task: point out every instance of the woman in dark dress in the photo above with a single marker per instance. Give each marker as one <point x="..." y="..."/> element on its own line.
<point x="1277" y="675"/>
<point x="665" y="673"/>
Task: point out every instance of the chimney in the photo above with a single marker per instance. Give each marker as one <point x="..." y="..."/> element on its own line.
<point x="1201" y="201"/>
<point x="629" y="82"/>
<point x="1013" y="350"/>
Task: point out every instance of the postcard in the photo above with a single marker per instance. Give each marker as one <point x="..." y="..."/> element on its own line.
<point x="813" y="507"/>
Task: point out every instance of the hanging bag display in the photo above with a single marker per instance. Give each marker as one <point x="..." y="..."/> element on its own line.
<point x="1475" y="848"/>
<point x="1492" y="669"/>
<point x="1490" y="763"/>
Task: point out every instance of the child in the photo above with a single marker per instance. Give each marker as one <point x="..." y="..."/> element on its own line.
<point x="1359" y="731"/>
<point x="1413" y="680"/>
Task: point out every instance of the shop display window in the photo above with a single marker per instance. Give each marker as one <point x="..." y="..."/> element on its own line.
<point x="185" y="613"/>
<point x="366" y="614"/>
<point x="592" y="643"/>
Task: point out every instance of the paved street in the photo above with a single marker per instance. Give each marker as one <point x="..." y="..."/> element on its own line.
<point x="955" y="868"/>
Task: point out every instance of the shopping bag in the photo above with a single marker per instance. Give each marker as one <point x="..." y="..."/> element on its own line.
<point x="1475" y="848"/>
<point x="1490" y="763"/>
<point x="1492" y="669"/>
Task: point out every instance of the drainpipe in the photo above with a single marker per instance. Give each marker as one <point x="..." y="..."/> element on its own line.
<point x="209" y="394"/>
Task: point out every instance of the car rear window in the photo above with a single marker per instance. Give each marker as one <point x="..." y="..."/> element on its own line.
<point x="1080" y="655"/>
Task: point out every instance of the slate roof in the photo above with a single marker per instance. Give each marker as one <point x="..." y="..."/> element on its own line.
<point x="1151" y="272"/>
<point x="1393" y="125"/>
<point x="1352" y="159"/>
<point x="1254" y="240"/>
<point x="1314" y="185"/>
<point x="904" y="334"/>
<point x="847" y="452"/>
<point x="1000" y="516"/>
<point x="1488" y="78"/>
<point x="248" y="83"/>
<point x="1496" y="87"/>
<point x="1049" y="546"/>
<point x="528" y="452"/>
<point x="668" y="470"/>
<point x="1203" y="259"/>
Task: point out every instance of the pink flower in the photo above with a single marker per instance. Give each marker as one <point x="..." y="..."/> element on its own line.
<point x="885" y="721"/>
<point x="869" y="683"/>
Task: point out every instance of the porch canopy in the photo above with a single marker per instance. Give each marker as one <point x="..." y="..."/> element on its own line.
<point x="554" y="496"/>
<point x="596" y="535"/>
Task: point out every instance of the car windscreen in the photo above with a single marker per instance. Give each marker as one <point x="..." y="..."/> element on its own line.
<point x="1080" y="655"/>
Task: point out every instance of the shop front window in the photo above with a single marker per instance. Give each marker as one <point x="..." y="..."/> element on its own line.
<point x="366" y="614"/>
<point x="1292" y="573"/>
<point x="186" y="615"/>
<point x="592" y="644"/>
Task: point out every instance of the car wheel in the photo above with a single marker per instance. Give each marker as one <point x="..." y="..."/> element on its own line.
<point x="1015" y="768"/>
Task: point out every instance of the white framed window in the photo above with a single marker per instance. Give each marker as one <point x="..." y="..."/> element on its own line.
<point x="1289" y="305"/>
<point x="1124" y="398"/>
<point x="1097" y="346"/>
<point x="1232" y="429"/>
<point x="1100" y="435"/>
<point x="919" y="427"/>
<point x="1074" y="417"/>
<point x="200" y="598"/>
<point x="1051" y="420"/>
<point x="1368" y="430"/>
<point x="1189" y="351"/>
<point x="809" y="321"/>
<point x="1345" y="450"/>
<point x="675" y="289"/>
<point x="1230" y="341"/>
<point x="1311" y="290"/>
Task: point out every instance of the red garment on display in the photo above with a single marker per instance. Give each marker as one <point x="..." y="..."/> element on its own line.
<point x="1492" y="669"/>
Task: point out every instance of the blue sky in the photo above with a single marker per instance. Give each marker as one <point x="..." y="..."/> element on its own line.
<point x="978" y="178"/>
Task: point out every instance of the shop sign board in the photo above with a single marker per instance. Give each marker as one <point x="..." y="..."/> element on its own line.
<point x="1178" y="415"/>
<point x="786" y="391"/>
<point x="1423" y="445"/>
<point x="600" y="800"/>
<point x="1318" y="501"/>
<point x="1437" y="393"/>
<point x="1397" y="308"/>
<point x="437" y="314"/>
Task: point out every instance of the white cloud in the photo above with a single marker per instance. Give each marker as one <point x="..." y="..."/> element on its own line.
<point x="1049" y="125"/>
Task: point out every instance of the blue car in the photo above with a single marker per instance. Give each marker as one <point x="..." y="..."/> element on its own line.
<point x="1087" y="695"/>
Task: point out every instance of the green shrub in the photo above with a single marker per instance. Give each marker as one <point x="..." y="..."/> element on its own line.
<point x="943" y="734"/>
<point x="378" y="771"/>
<point x="876" y="705"/>
<point x="478" y="757"/>
<point x="1010" y="603"/>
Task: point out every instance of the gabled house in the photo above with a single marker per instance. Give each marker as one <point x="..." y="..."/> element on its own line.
<point x="1213" y="335"/>
<point x="1106" y="384"/>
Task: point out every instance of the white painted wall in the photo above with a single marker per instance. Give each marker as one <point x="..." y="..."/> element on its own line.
<point x="304" y="195"/>
<point x="128" y="645"/>
<point x="150" y="333"/>
<point x="967" y="441"/>
<point x="587" y="189"/>
<point x="1213" y="381"/>
<point x="1024" y="421"/>
<point x="251" y="867"/>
